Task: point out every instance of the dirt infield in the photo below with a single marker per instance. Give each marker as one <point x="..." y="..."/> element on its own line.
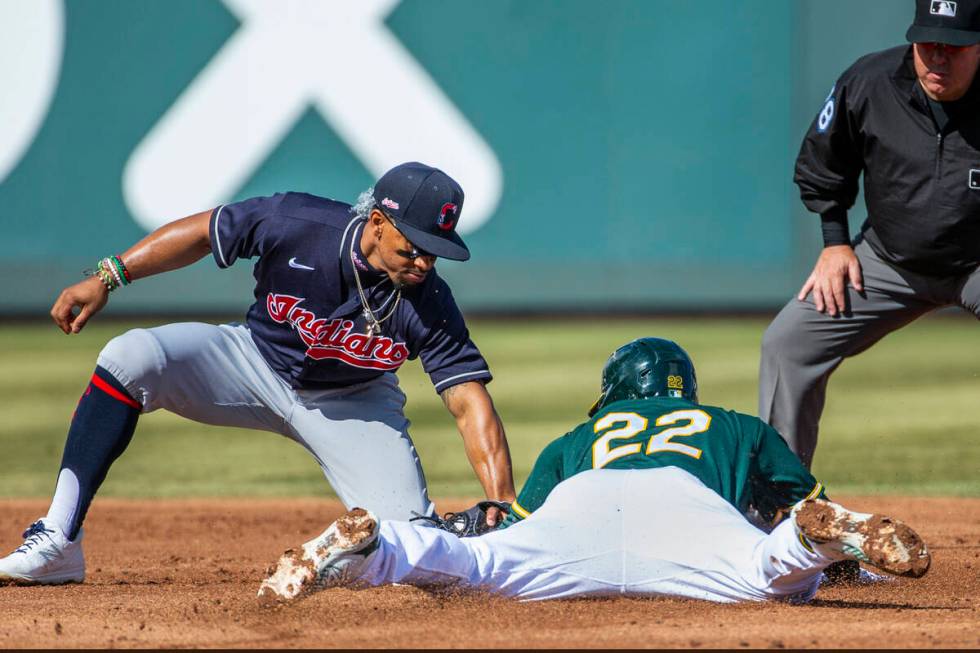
<point x="185" y="573"/>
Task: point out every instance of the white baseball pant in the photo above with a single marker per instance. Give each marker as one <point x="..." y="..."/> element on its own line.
<point x="649" y="532"/>
<point x="216" y="375"/>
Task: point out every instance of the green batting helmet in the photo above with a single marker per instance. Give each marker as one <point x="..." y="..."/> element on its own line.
<point x="647" y="367"/>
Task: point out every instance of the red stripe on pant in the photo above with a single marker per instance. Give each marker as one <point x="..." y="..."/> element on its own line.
<point x="115" y="394"/>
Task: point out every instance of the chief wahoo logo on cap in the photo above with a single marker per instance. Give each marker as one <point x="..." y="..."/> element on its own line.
<point x="445" y="222"/>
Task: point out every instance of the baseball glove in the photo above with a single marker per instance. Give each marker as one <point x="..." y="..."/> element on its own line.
<point x="468" y="523"/>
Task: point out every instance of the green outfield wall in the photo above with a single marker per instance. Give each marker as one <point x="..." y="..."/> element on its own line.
<point x="615" y="154"/>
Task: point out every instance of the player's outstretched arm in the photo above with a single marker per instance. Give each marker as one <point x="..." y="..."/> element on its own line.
<point x="784" y="479"/>
<point x="172" y="246"/>
<point x="484" y="441"/>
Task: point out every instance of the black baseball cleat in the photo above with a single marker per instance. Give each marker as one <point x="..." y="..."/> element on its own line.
<point x="842" y="573"/>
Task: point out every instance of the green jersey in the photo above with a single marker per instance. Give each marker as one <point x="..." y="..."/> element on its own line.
<point x="738" y="456"/>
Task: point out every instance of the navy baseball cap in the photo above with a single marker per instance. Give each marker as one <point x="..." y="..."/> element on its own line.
<point x="953" y="22"/>
<point x="424" y="203"/>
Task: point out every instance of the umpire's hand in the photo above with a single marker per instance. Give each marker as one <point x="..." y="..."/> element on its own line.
<point x="89" y="296"/>
<point x="836" y="264"/>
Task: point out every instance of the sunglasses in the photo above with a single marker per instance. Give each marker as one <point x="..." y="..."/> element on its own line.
<point x="949" y="49"/>
<point x="411" y="254"/>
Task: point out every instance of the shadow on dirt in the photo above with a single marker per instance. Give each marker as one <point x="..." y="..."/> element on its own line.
<point x="868" y="605"/>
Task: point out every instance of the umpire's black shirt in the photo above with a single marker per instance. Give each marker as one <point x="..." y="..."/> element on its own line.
<point x="921" y="183"/>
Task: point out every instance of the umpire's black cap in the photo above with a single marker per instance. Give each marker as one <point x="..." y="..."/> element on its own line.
<point x="424" y="203"/>
<point x="953" y="22"/>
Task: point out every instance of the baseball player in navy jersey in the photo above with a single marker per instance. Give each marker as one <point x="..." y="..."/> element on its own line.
<point x="343" y="297"/>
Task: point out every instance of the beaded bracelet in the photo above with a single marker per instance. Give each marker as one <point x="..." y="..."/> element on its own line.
<point x="112" y="272"/>
<point x="123" y="269"/>
<point x="107" y="280"/>
<point x="106" y="264"/>
<point x="120" y="267"/>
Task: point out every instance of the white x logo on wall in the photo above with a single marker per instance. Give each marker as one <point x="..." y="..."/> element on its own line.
<point x="337" y="56"/>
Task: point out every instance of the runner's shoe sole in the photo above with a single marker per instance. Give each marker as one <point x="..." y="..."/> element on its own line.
<point x="881" y="541"/>
<point x="326" y="561"/>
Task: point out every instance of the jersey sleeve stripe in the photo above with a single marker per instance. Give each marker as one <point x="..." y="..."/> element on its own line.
<point x="460" y="376"/>
<point x="519" y="510"/>
<point x="817" y="489"/>
<point x="217" y="237"/>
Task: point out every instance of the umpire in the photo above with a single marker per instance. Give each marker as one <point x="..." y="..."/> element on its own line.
<point x="909" y="119"/>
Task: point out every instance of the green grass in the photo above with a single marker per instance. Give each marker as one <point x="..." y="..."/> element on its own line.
<point x="901" y="418"/>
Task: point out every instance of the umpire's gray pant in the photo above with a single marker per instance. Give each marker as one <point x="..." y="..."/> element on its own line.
<point x="216" y="375"/>
<point x="802" y="347"/>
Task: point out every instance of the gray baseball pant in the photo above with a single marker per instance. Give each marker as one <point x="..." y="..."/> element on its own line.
<point x="216" y="375"/>
<point x="802" y="347"/>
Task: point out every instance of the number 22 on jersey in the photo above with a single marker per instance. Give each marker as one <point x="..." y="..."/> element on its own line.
<point x="630" y="424"/>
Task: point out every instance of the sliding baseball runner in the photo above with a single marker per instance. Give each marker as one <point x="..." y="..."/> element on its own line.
<point x="645" y="498"/>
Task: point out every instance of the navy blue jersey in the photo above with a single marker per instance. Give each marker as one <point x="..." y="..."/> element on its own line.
<point x="307" y="320"/>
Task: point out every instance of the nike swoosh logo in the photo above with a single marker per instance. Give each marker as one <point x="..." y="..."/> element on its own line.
<point x="298" y="266"/>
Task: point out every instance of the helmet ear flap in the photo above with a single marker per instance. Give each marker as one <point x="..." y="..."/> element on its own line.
<point x="597" y="404"/>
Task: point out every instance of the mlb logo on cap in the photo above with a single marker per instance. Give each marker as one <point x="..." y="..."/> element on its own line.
<point x="942" y="8"/>
<point x="951" y="22"/>
<point x="975" y="179"/>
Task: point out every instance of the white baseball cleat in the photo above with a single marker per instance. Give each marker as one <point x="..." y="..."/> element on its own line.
<point x="329" y="560"/>
<point x="47" y="557"/>
<point x="839" y="533"/>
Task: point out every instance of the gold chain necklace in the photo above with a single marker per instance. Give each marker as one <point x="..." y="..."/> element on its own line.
<point x="372" y="322"/>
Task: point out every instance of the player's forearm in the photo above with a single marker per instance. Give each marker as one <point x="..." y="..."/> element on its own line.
<point x="489" y="455"/>
<point x="483" y="438"/>
<point x="172" y="246"/>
